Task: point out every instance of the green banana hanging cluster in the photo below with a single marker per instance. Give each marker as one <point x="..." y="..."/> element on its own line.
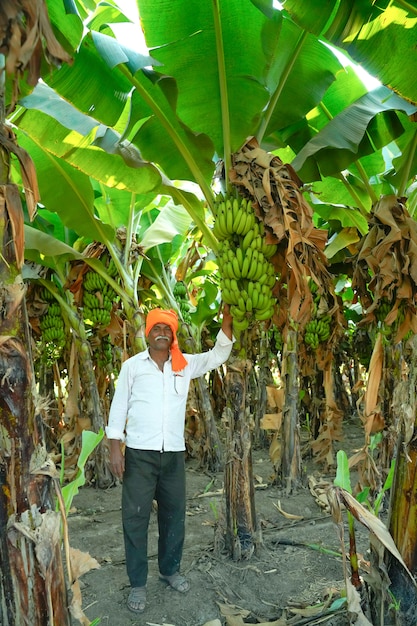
<point x="385" y="307"/>
<point x="97" y="301"/>
<point x="276" y="340"/>
<point x="53" y="329"/>
<point x="103" y="352"/>
<point x="317" y="331"/>
<point x="181" y="296"/>
<point x="382" y="310"/>
<point x="111" y="268"/>
<point x="246" y="273"/>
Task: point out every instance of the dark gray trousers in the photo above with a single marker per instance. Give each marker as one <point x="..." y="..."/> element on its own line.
<point x="153" y="475"/>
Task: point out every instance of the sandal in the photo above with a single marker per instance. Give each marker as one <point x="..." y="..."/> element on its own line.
<point x="177" y="582"/>
<point x="136" y="601"/>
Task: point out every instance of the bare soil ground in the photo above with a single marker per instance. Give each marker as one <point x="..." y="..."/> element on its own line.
<point x="296" y="567"/>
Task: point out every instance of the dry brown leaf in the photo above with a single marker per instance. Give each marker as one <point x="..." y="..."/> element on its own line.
<point x="386" y="264"/>
<point x="271" y="421"/>
<point x="15" y="214"/>
<point x="371" y="398"/>
<point x="318" y="490"/>
<point x="229" y="610"/>
<point x="285" y="514"/>
<point x="307" y="611"/>
<point x="372" y="523"/>
<point x="76" y="604"/>
<point x="354" y="605"/>
<point x="81" y="562"/>
<point x="275" y="450"/>
<point x="25" y="33"/>
<point x="275" y="396"/>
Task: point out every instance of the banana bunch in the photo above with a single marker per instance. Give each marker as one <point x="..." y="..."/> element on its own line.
<point x="52" y="325"/>
<point x="276" y="340"/>
<point x="236" y="217"/>
<point x="93" y="281"/>
<point x="103" y="354"/>
<point x="111" y="268"/>
<point x="46" y="295"/>
<point x="53" y="331"/>
<point x="383" y="310"/>
<point x="97" y="301"/>
<point x="246" y="273"/>
<point x="317" y="331"/>
<point x="181" y="296"/>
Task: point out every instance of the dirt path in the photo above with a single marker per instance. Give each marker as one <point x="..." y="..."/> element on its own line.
<point x="282" y="580"/>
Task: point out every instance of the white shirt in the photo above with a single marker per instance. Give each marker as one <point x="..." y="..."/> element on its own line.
<point x="148" y="407"/>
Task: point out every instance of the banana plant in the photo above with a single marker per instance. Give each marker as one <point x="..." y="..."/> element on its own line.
<point x="187" y="116"/>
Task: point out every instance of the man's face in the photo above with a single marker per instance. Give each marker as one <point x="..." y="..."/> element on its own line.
<point x="160" y="337"/>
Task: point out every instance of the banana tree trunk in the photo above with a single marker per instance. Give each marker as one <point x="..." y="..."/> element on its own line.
<point x="93" y="409"/>
<point x="402" y="521"/>
<point x="291" y="456"/>
<point x="392" y="377"/>
<point x="32" y="581"/>
<point x="403" y="504"/>
<point x="211" y="451"/>
<point x="242" y="532"/>
<point x="210" y="446"/>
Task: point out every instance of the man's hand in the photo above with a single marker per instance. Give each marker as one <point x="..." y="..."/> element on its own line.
<point x="227" y="321"/>
<point x="117" y="459"/>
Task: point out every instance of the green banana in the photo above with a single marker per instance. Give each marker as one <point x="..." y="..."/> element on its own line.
<point x="234" y="286"/>
<point x="247" y="240"/>
<point x="239" y="256"/>
<point x="237" y="313"/>
<point x="256" y="243"/>
<point x="241" y="304"/>
<point x="240" y="325"/>
<point x="245" y="266"/>
<point x="221" y="219"/>
<point x="264" y="314"/>
<point x="226" y="296"/>
<point x="229" y="218"/>
<point x="236" y="268"/>
<point x="269" y="249"/>
<point x="255" y="297"/>
<point x="253" y="266"/>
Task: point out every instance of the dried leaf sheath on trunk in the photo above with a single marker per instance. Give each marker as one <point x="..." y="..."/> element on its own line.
<point x="30" y="554"/>
<point x="291" y="457"/>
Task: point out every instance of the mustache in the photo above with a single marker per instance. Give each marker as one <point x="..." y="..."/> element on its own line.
<point x="161" y="337"/>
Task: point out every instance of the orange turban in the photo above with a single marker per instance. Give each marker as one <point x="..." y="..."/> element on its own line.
<point x="170" y="318"/>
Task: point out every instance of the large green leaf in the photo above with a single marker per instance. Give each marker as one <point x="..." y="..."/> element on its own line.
<point x="117" y="164"/>
<point x="68" y="27"/>
<point x="82" y="83"/>
<point x="368" y="123"/>
<point x="344" y="91"/>
<point x="47" y="245"/>
<point x="182" y="153"/>
<point x="298" y="59"/>
<point x="67" y="192"/>
<point x="381" y="36"/>
<point x="172" y="220"/>
<point x="182" y="36"/>
<point x="162" y="138"/>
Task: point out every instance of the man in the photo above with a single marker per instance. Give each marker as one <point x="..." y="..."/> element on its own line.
<point x="148" y="414"/>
